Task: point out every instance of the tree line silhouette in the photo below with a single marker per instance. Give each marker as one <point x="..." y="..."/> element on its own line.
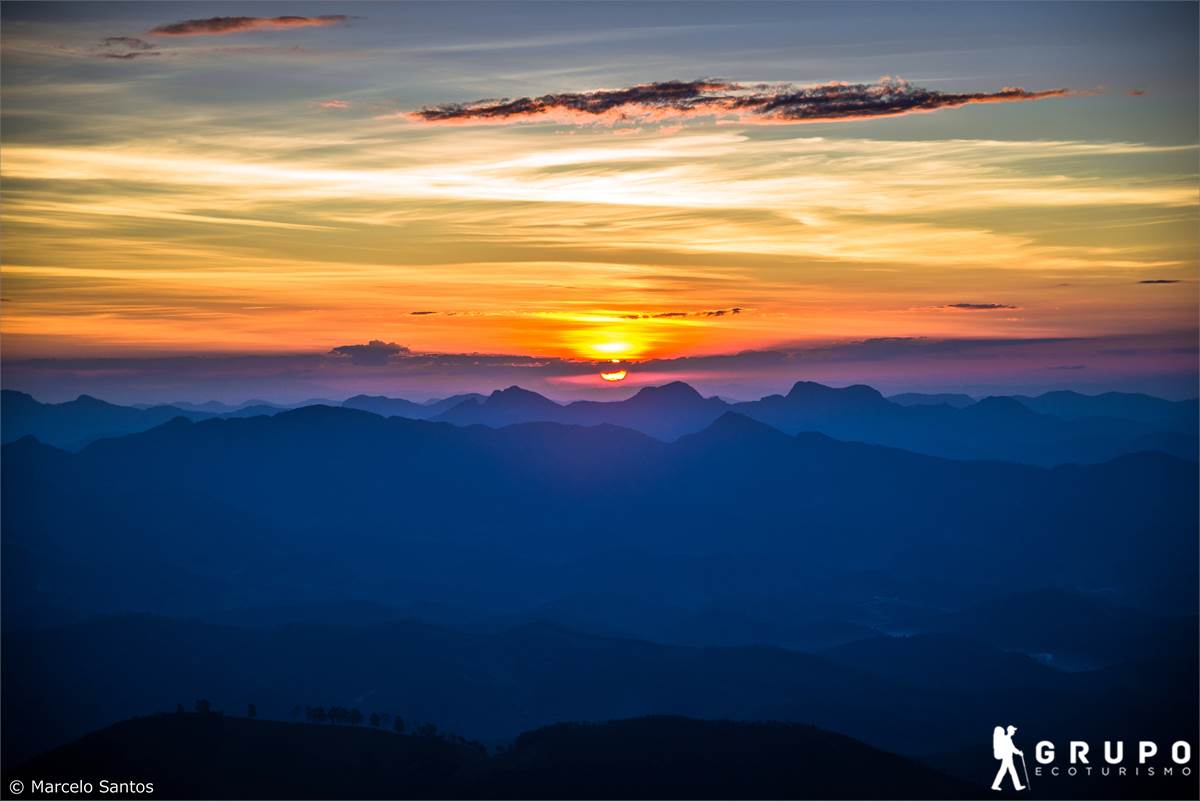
<point x="340" y="716"/>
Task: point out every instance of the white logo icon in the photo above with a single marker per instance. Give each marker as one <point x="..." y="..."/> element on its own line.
<point x="1003" y="749"/>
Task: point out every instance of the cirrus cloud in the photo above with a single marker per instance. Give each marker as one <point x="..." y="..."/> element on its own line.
<point x="759" y="103"/>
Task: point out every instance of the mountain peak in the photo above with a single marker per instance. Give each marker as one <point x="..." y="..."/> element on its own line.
<point x="1067" y="394"/>
<point x="737" y="427"/>
<point x="1001" y="404"/>
<point x="515" y="392"/>
<point x="89" y="400"/>
<point x="676" y="390"/>
<point x="515" y="396"/>
<point x="809" y="390"/>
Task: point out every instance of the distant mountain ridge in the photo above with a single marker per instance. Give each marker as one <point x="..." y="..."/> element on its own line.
<point x="1055" y="428"/>
<point x="1008" y="429"/>
<point x="76" y="423"/>
<point x="398" y="407"/>
<point x="957" y="400"/>
<point x="1170" y="415"/>
<point x="665" y="412"/>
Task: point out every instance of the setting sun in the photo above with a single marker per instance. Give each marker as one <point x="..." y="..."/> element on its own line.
<point x="616" y="375"/>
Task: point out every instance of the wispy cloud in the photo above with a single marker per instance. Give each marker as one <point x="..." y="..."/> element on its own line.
<point x="127" y="42"/>
<point x="678" y="314"/>
<point x="222" y="26"/>
<point x="760" y="103"/>
<point x="828" y="236"/>
<point x="130" y="55"/>
<point x="979" y="306"/>
<point x="1159" y="281"/>
<point x="126" y="48"/>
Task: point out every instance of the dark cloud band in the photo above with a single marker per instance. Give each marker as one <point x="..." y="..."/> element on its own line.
<point x="762" y="103"/>
<point x="221" y="26"/>
<point x="675" y="314"/>
<point x="374" y="352"/>
<point x="1162" y="363"/>
<point x="127" y="43"/>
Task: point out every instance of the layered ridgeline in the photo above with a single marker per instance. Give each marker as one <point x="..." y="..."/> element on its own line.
<point x="250" y="509"/>
<point x="287" y="556"/>
<point x="74" y="424"/>
<point x="1054" y="428"/>
<point x="1031" y="430"/>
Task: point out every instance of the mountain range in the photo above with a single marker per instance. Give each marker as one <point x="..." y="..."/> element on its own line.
<point x="492" y="580"/>
<point x="1009" y="429"/>
<point x="241" y="511"/>
<point x="1050" y="429"/>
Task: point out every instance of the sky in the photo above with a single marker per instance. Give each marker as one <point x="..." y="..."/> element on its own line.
<point x="293" y="200"/>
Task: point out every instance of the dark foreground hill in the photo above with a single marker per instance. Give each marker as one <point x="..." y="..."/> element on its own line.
<point x="912" y="696"/>
<point x="212" y="756"/>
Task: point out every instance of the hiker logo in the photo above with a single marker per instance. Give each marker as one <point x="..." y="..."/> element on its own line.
<point x="1003" y="750"/>
<point x="1087" y="762"/>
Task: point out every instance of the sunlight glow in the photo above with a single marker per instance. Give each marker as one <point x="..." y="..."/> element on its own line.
<point x="583" y="245"/>
<point x="610" y="348"/>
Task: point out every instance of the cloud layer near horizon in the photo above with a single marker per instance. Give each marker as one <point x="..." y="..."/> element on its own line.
<point x="1162" y="364"/>
<point x="760" y="103"/>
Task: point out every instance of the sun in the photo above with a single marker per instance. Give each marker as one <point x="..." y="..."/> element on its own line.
<point x="615" y="375"/>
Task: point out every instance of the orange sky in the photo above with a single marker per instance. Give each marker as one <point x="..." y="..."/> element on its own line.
<point x="163" y="205"/>
<point x="570" y="245"/>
